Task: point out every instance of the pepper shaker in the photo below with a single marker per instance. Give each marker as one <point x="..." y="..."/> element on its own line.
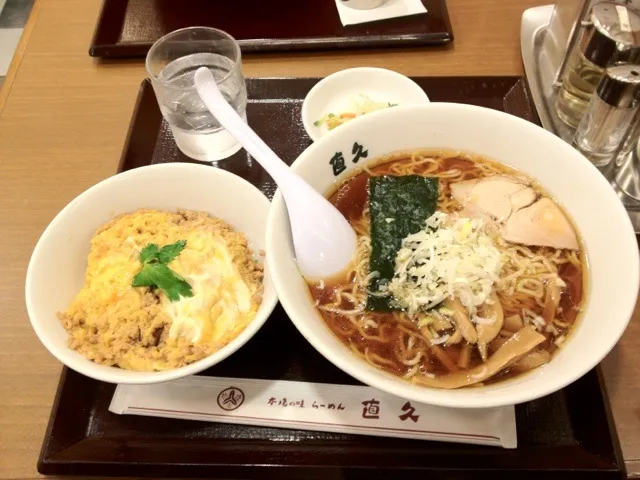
<point x="612" y="35"/>
<point x="627" y="171"/>
<point x="609" y="114"/>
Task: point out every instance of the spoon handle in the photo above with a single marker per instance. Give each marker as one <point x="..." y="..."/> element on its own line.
<point x="323" y="239"/>
<point x="227" y="116"/>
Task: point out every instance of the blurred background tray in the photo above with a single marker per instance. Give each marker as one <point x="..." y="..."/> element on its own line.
<point x="567" y="435"/>
<point x="127" y="28"/>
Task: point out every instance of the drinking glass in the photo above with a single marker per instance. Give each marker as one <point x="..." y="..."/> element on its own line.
<point x="172" y="62"/>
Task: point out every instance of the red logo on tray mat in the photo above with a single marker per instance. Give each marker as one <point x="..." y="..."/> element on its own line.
<point x="230" y="398"/>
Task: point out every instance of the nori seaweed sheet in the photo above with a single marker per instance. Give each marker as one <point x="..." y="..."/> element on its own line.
<point x="408" y="200"/>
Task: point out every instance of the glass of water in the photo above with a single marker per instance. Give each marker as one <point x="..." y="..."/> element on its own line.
<point x="172" y="62"/>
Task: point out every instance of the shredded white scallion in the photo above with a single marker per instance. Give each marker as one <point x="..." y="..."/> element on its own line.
<point x="447" y="259"/>
<point x="484" y="321"/>
<point x="370" y="277"/>
<point x="440" y="340"/>
<point x="368" y="323"/>
<point x="539" y="321"/>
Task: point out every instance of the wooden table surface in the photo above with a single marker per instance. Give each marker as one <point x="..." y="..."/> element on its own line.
<point x="63" y="120"/>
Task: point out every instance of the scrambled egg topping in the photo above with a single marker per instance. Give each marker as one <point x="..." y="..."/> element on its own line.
<point x="139" y="328"/>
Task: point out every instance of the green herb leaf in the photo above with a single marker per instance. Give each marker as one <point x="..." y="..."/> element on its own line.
<point x="143" y="279"/>
<point x="156" y="274"/>
<point x="149" y="253"/>
<point x="170" y="252"/>
<point x="173" y="285"/>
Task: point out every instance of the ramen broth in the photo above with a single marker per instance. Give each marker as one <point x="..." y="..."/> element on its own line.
<point x="395" y="341"/>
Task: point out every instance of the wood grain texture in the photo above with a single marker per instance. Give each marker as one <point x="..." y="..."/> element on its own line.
<point x="63" y="120"/>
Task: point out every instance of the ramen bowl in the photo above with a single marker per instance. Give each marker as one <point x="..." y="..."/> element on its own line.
<point x="56" y="272"/>
<point x="597" y="215"/>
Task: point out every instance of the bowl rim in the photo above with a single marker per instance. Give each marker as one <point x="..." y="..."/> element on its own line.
<point x="117" y="375"/>
<point x="397" y="386"/>
<point x="307" y="123"/>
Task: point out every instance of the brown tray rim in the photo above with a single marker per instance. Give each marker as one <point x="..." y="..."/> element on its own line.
<point x="117" y="49"/>
<point x="49" y="463"/>
<point x="63" y="463"/>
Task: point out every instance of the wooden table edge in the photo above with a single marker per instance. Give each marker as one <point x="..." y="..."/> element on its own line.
<point x="19" y="53"/>
<point x="632" y="464"/>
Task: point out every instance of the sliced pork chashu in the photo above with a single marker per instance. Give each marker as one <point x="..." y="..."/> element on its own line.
<point x="522" y="198"/>
<point x="497" y="197"/>
<point x="525" y="221"/>
<point x="541" y="224"/>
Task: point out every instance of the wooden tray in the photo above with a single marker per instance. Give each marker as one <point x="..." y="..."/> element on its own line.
<point x="566" y="435"/>
<point x="128" y="28"/>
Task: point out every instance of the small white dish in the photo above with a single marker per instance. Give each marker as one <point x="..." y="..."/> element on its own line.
<point x="337" y="93"/>
<point x="56" y="271"/>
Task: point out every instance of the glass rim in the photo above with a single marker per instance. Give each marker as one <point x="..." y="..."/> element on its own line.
<point x="156" y="44"/>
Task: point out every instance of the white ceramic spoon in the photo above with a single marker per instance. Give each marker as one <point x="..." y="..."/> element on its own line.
<point x="323" y="240"/>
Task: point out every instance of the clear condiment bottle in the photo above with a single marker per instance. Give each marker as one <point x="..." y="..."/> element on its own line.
<point x="627" y="172"/>
<point x="609" y="114"/>
<point x="612" y="34"/>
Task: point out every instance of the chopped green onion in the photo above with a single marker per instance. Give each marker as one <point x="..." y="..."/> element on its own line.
<point x="424" y="321"/>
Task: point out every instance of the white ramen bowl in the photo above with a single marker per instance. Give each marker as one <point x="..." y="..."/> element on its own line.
<point x="56" y="271"/>
<point x="601" y="220"/>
